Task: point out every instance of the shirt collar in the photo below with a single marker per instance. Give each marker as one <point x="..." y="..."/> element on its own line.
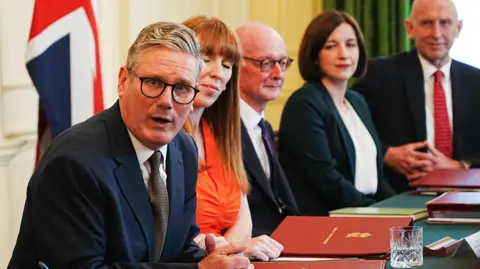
<point x="144" y="153"/>
<point x="429" y="69"/>
<point x="249" y="116"/>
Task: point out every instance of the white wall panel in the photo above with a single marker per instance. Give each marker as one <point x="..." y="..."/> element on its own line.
<point x="20" y="110"/>
<point x="14" y="30"/>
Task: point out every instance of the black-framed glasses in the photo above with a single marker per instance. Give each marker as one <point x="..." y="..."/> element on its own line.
<point x="267" y="65"/>
<point x="154" y="87"/>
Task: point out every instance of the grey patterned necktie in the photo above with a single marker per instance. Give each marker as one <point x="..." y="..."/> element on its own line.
<point x="159" y="201"/>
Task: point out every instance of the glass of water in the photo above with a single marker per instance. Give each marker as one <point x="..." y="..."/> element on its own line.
<point x="406" y="246"/>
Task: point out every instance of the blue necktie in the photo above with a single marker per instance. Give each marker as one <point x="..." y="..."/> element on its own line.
<point x="267" y="141"/>
<point x="270" y="148"/>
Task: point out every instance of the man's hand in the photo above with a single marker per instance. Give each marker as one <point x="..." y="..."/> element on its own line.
<point x="263" y="248"/>
<point x="227" y="257"/>
<point x="442" y="161"/>
<point x="407" y="161"/>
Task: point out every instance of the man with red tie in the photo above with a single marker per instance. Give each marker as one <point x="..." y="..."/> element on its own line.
<point x="425" y="105"/>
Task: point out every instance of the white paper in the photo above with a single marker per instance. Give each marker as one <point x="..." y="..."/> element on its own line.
<point x="474" y="243"/>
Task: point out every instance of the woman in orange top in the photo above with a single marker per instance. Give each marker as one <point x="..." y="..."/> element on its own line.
<point x="222" y="206"/>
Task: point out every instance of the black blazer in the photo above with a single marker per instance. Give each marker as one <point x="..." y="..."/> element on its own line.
<point x="87" y="204"/>
<point x="394" y="89"/>
<point x="264" y="206"/>
<point x="317" y="153"/>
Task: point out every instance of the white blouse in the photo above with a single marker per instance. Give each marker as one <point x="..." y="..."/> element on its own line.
<point x="366" y="177"/>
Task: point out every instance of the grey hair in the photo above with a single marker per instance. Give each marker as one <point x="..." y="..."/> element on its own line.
<point x="170" y="35"/>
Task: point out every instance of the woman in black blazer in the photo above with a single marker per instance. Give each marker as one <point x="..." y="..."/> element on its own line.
<point x="328" y="145"/>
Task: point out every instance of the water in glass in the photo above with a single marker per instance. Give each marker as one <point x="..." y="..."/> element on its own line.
<point x="406" y="244"/>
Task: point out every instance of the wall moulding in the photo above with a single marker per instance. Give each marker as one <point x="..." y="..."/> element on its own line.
<point x="19" y="111"/>
<point x="23" y="86"/>
<point x="9" y="149"/>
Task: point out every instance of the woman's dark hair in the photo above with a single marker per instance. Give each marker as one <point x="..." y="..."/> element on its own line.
<point x="315" y="37"/>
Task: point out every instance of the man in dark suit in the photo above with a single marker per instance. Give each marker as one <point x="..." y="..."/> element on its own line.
<point x="423" y="100"/>
<point x="118" y="190"/>
<point x="261" y="80"/>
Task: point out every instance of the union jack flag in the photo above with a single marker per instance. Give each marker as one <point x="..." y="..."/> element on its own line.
<point x="63" y="62"/>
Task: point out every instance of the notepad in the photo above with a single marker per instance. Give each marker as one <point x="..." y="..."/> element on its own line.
<point x="415" y="213"/>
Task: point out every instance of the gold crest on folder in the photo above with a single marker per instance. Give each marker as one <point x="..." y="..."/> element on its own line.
<point x="358" y="235"/>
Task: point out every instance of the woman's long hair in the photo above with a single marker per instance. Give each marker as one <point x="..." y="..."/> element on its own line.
<point x="223" y="117"/>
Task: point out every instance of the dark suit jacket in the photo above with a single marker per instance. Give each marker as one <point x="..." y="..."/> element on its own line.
<point x="394" y="90"/>
<point x="318" y="155"/>
<point x="87" y="204"/>
<point x="264" y="206"/>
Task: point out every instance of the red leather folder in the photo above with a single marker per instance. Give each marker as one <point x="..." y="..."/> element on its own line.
<point x="347" y="264"/>
<point x="449" y="178"/>
<point x="337" y="236"/>
<point x="456" y="200"/>
<point x="455" y="205"/>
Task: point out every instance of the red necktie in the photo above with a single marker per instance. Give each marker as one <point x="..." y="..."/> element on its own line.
<point x="443" y="133"/>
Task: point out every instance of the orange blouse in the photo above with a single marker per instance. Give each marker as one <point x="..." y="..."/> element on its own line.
<point x="218" y="194"/>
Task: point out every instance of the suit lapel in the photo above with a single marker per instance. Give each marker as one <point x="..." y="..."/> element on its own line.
<point x="281" y="186"/>
<point x="129" y="176"/>
<point x="460" y="110"/>
<point x="252" y="164"/>
<point x="363" y="114"/>
<point x="414" y="87"/>
<point x="347" y="141"/>
<point x="176" y="193"/>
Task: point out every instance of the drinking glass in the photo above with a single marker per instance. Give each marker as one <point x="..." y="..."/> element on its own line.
<point x="406" y="246"/>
